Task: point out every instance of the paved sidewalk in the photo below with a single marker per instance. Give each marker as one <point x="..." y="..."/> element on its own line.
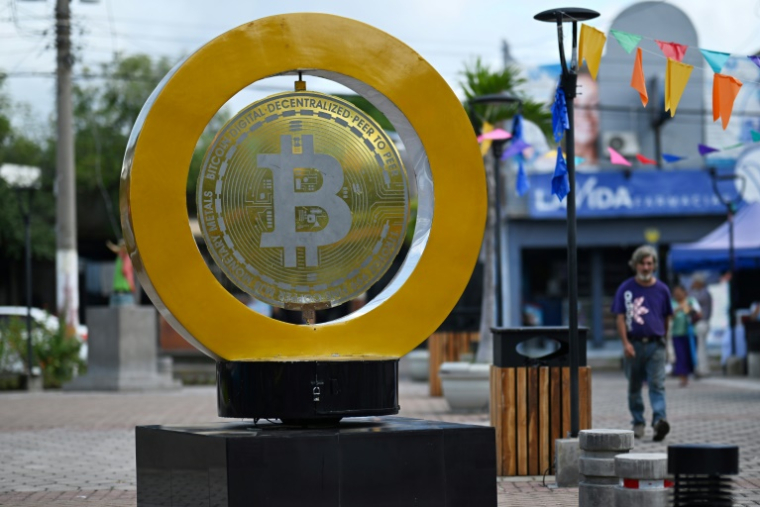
<point x="75" y="449"/>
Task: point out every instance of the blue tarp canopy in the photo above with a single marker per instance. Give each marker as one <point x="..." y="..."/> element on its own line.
<point x="711" y="252"/>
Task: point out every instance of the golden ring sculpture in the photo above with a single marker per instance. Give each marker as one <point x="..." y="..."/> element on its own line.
<point x="428" y="116"/>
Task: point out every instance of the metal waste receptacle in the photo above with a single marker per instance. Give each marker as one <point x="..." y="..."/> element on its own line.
<point x="700" y="472"/>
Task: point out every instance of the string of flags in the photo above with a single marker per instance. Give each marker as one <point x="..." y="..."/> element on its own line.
<point x="703" y="149"/>
<point x="677" y="73"/>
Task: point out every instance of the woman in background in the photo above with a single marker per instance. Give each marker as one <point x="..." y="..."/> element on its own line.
<point x="686" y="311"/>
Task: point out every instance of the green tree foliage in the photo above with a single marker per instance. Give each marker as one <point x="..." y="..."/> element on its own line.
<point x="107" y="101"/>
<point x="106" y="106"/>
<point x="54" y="350"/>
<point x="20" y="146"/>
<point x="479" y="79"/>
<point x="105" y="112"/>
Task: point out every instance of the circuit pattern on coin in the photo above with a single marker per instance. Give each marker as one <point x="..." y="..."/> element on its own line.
<point x="303" y="200"/>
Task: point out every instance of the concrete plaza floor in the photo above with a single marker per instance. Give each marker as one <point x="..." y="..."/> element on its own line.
<point x="77" y="449"/>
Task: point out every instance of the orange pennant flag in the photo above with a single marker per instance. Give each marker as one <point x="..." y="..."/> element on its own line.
<point x="638" y="82"/>
<point x="725" y="90"/>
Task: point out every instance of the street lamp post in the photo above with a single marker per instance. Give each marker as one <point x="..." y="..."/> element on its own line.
<point x="24" y="180"/>
<point x="497" y="149"/>
<point x="568" y="82"/>
<point x="730" y="203"/>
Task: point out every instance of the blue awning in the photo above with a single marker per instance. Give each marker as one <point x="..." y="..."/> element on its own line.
<point x="711" y="252"/>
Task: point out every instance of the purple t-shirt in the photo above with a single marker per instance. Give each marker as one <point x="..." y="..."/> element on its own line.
<point x="645" y="308"/>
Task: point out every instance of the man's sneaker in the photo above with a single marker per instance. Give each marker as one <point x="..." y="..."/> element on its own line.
<point x="661" y="428"/>
<point x="639" y="430"/>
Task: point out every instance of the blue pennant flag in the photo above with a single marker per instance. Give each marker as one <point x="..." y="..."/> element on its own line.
<point x="560" y="122"/>
<point x="522" y="185"/>
<point x="560" y="181"/>
<point x="671" y="158"/>
<point x="515" y="150"/>
<point x="517" y="127"/>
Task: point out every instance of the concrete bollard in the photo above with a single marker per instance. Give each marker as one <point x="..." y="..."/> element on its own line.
<point x="642" y="480"/>
<point x="597" y="465"/>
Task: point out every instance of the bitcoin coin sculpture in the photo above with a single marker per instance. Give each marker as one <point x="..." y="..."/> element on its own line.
<point x="303" y="203"/>
<point x="303" y="200"/>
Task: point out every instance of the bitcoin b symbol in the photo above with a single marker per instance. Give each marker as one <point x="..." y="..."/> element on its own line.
<point x="286" y="198"/>
<point x="303" y="200"/>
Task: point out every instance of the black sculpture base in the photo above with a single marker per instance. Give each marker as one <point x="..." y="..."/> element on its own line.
<point x="368" y="462"/>
<point x="307" y="392"/>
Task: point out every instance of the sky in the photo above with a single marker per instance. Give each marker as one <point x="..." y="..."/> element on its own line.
<point x="447" y="33"/>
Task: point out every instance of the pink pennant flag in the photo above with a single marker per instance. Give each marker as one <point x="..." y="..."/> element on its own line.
<point x="495" y="135"/>
<point x="617" y="158"/>
<point x="673" y="50"/>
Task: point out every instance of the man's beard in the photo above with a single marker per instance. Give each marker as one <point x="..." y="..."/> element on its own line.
<point x="645" y="278"/>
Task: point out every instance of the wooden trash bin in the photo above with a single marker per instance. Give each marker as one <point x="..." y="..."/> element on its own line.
<point x="530" y="400"/>
<point x="530" y="409"/>
<point x="444" y="347"/>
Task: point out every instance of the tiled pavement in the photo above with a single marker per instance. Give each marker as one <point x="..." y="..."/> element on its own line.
<point x="65" y="449"/>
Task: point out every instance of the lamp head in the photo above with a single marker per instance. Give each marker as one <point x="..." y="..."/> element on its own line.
<point x="568" y="14"/>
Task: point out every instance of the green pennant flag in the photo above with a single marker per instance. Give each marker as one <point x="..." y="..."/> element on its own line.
<point x="737" y="145"/>
<point x="628" y="41"/>
<point x="755" y="135"/>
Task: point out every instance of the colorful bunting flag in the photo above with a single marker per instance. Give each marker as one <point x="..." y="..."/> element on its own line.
<point x="673" y="50"/>
<point x="560" y="180"/>
<point x="515" y="148"/>
<point x="560" y="121"/>
<point x="495" y="135"/>
<point x="704" y="149"/>
<point x="628" y="41"/>
<point x="617" y="158"/>
<point x="715" y="59"/>
<point x="671" y="158"/>
<point x="737" y="145"/>
<point x="755" y="59"/>
<point x="590" y="48"/>
<point x="725" y="90"/>
<point x="486" y="144"/>
<point x="755" y="135"/>
<point x="676" y="76"/>
<point x="641" y="158"/>
<point x="522" y="185"/>
<point x="518" y="145"/>
<point x="638" y="82"/>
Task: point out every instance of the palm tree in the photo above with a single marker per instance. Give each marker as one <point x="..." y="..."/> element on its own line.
<point x="479" y="80"/>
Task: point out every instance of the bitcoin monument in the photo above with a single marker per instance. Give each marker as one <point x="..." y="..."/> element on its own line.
<point x="303" y="203"/>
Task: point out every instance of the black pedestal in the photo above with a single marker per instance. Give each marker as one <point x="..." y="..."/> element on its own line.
<point x="306" y="391"/>
<point x="366" y="462"/>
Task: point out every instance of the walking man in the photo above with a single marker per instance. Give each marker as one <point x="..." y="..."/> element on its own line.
<point x="643" y="309"/>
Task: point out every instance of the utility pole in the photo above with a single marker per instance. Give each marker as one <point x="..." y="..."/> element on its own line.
<point x="66" y="257"/>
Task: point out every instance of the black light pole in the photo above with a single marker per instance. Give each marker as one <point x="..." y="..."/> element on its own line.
<point x="730" y="204"/>
<point x="497" y="149"/>
<point x="568" y="82"/>
<point x="27" y="213"/>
